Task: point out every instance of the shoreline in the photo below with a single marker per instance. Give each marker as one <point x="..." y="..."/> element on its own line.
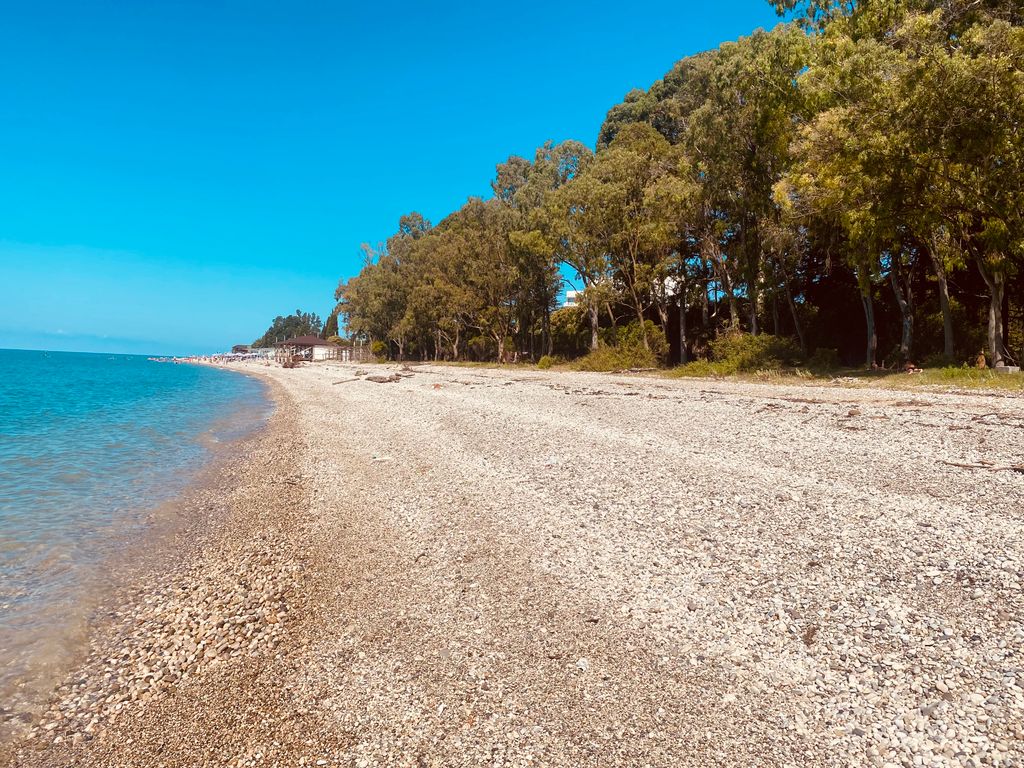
<point x="481" y="567"/>
<point x="176" y="537"/>
<point x="150" y="537"/>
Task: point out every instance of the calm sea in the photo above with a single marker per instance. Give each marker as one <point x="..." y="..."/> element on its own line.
<point x="90" y="445"/>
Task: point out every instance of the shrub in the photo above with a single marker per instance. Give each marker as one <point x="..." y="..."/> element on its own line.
<point x="606" y="358"/>
<point x="379" y="349"/>
<point x="738" y="352"/>
<point x="824" y="359"/>
<point x="936" y="360"/>
<point x="630" y="340"/>
<point x="483" y="348"/>
<point x="547" y="361"/>
<point x="744" y="352"/>
<point x="623" y="348"/>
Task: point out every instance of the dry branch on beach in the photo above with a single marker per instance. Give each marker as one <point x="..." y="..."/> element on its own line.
<point x="987" y="466"/>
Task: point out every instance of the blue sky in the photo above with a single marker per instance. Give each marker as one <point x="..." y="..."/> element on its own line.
<point x="175" y="174"/>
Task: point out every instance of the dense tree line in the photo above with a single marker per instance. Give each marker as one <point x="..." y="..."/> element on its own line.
<point x="863" y="161"/>
<point x="290" y="326"/>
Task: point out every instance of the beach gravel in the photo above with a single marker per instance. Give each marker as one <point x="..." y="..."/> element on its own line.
<point x="446" y="566"/>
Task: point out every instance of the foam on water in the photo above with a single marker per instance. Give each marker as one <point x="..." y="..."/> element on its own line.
<point x="89" y="446"/>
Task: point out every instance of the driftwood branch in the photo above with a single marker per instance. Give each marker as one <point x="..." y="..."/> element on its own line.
<point x="1000" y="419"/>
<point x="989" y="467"/>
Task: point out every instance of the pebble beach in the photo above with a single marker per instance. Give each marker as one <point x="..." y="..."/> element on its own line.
<point x="458" y="566"/>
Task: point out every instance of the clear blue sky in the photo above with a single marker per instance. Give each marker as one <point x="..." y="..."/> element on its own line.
<point x="175" y="174"/>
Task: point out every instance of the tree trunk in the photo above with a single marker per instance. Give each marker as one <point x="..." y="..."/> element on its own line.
<point x="995" y="279"/>
<point x="1005" y="312"/>
<point x="904" y="299"/>
<point x="593" y="325"/>
<point x="455" y="343"/>
<point x="752" y="286"/>
<point x="734" y="311"/>
<point x="683" y="358"/>
<point x="704" y="306"/>
<point x="549" y="342"/>
<point x="869" y="321"/>
<point x="792" y="310"/>
<point x="663" y="317"/>
<point x="947" y="315"/>
<point x="754" y="295"/>
<point x="643" y="326"/>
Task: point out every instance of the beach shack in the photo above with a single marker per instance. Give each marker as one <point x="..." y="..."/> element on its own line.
<point x="310" y="348"/>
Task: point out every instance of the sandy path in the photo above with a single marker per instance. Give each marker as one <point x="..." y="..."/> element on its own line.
<point x="514" y="568"/>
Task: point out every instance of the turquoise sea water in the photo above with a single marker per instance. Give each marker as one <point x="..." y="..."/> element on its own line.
<point x="90" y="445"/>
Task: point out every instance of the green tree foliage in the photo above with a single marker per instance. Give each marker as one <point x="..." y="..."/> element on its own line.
<point x="486" y="273"/>
<point x="289" y="326"/>
<point x="914" y="156"/>
<point x="331" y="326"/>
<point x="865" y="160"/>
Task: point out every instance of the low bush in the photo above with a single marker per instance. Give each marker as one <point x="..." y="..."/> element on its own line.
<point x="936" y="360"/>
<point x="745" y="352"/>
<point x="736" y="352"/>
<point x="483" y="348"/>
<point x="629" y="338"/>
<point x="379" y="349"/>
<point x="623" y="348"/>
<point x="606" y="358"/>
<point x="824" y="360"/>
<point x="549" y="360"/>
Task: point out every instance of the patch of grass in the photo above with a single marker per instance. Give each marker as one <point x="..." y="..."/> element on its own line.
<point x="702" y="369"/>
<point x="930" y="378"/>
<point x="962" y="376"/>
<point x="479" y="363"/>
<point x="824" y="360"/>
<point x="958" y="377"/>
<point x="785" y="375"/>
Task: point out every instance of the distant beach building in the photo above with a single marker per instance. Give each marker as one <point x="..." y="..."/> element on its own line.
<point x="241" y="349"/>
<point x="308" y="348"/>
<point x="572" y="299"/>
